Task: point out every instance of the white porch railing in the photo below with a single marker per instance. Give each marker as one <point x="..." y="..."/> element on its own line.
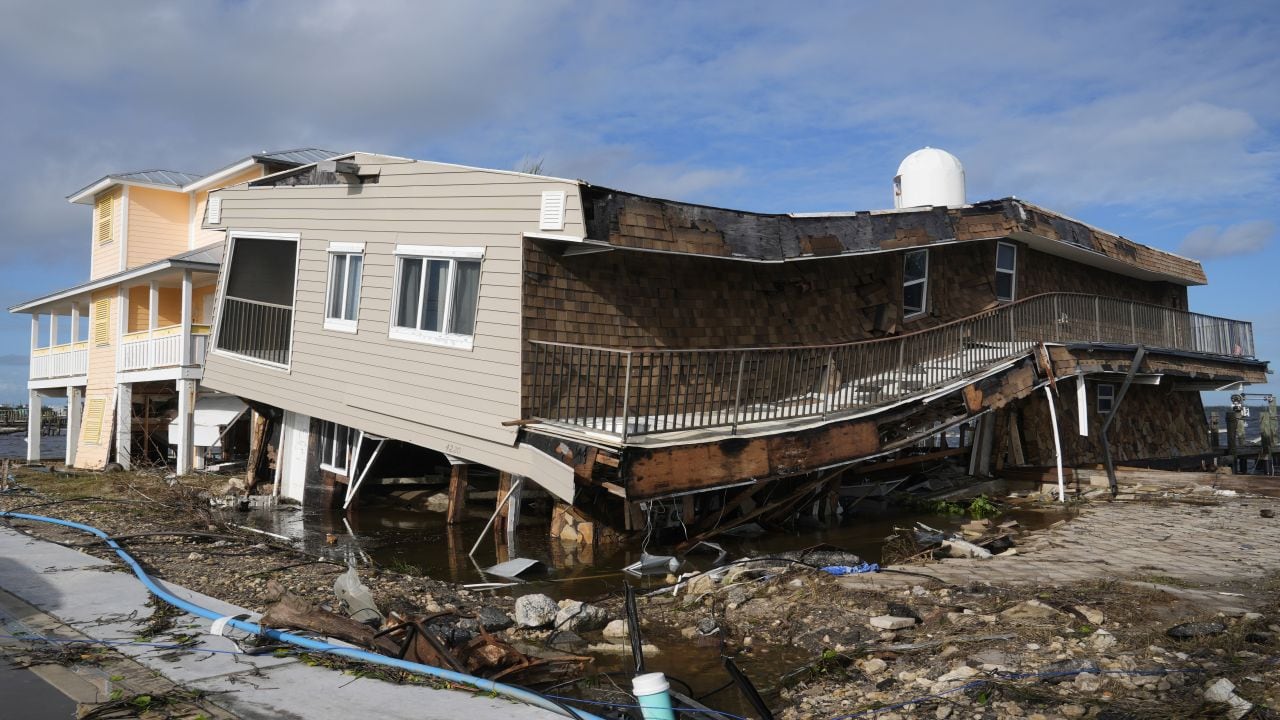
<point x="161" y="348"/>
<point x="68" y="360"/>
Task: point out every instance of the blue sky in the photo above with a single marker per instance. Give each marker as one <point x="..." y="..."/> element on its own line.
<point x="1157" y="120"/>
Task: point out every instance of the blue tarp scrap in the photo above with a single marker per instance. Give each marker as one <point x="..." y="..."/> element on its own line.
<point x="852" y="569"/>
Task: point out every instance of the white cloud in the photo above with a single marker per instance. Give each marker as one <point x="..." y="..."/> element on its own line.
<point x="1211" y="241"/>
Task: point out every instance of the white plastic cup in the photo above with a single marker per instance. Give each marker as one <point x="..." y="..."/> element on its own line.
<point x="652" y="692"/>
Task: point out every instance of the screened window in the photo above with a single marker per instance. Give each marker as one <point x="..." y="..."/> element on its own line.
<point x="915" y="282"/>
<point x="1106" y="398"/>
<point x="437" y="292"/>
<point x="335" y="447"/>
<point x="342" y="305"/>
<point x="1006" y="271"/>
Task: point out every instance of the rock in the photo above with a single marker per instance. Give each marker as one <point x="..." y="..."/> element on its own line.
<point x="533" y="611"/>
<point x="890" y="622"/>
<point x="1195" y="629"/>
<point x="1088" y="683"/>
<point x="943" y="712"/>
<point x="958" y="674"/>
<point x="1066" y="670"/>
<point x="873" y="666"/>
<point x="707" y="626"/>
<point x="1260" y="638"/>
<point x="1233" y="612"/>
<point x="689" y="633"/>
<point x="195" y="556"/>
<point x="492" y="619"/>
<point x="1267" y="513"/>
<point x="438" y="502"/>
<point x="1223" y="692"/>
<point x="1102" y="640"/>
<point x="616" y="629"/>
<point x="615" y="649"/>
<point x="1031" y="610"/>
<point x="1252" y="617"/>
<point x="1093" y="615"/>
<point x="565" y="640"/>
<point x="580" y="617"/>
<point x="1072" y="711"/>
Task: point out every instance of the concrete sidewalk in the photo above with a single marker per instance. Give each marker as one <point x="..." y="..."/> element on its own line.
<point x="94" y="598"/>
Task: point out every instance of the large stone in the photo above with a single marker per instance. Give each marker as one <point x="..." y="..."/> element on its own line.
<point x="1031" y="610"/>
<point x="1093" y="615"/>
<point x="890" y="622"/>
<point x="580" y="617"/>
<point x="1102" y="640"/>
<point x="534" y="611"/>
<point x="1195" y="629"/>
<point x="616" y="629"/>
<point x="1223" y="692"/>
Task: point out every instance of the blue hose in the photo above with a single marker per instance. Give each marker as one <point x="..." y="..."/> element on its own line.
<point x="489" y="686"/>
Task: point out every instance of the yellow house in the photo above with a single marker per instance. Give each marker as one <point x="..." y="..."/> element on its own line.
<point x="126" y="349"/>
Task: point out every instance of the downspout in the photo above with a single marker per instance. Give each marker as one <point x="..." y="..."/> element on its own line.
<point x="1106" y="424"/>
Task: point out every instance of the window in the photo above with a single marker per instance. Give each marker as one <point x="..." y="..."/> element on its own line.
<point x="437" y="291"/>
<point x="342" y="307"/>
<point x="1106" y="398"/>
<point x="915" y="282"/>
<point x="335" y="447"/>
<point x="1006" y="270"/>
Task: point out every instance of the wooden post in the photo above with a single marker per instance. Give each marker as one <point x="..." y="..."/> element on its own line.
<point x="457" y="493"/>
<point x="500" y="517"/>
<point x="257" y="447"/>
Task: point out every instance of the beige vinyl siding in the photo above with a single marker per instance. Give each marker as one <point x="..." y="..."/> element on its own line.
<point x="105" y="258"/>
<point x="202" y="236"/>
<point x="158" y="225"/>
<point x="92" y="451"/>
<point x="447" y="399"/>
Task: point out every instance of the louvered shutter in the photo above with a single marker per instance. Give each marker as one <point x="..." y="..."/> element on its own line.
<point x="94" y="411"/>
<point x="102" y="321"/>
<point x="104" y="209"/>
<point x="213" y="210"/>
<point x="552" y="215"/>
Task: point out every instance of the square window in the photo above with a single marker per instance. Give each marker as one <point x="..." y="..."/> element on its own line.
<point x="437" y="298"/>
<point x="1106" y="398"/>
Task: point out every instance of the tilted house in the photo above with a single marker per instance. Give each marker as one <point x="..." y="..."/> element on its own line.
<point x="616" y="348"/>
<point x="126" y="347"/>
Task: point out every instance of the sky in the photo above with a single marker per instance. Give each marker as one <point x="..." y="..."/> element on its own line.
<point x="1159" y="121"/>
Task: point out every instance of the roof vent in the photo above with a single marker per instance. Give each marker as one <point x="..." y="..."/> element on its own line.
<point x="929" y="177"/>
<point x="552" y="214"/>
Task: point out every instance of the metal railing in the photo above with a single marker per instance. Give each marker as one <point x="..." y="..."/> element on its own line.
<point x="255" y="329"/>
<point x="637" y="392"/>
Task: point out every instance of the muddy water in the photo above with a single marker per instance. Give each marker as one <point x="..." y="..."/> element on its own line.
<point x="420" y="542"/>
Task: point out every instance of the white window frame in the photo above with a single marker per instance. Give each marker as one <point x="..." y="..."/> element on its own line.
<point x="1109" y="397"/>
<point x="924" y="297"/>
<point x="335" y="250"/>
<point x="1012" y="273"/>
<point x="233" y="235"/>
<point x="327" y="458"/>
<point x="450" y="254"/>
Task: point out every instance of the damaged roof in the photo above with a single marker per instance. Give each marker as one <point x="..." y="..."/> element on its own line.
<point x="627" y="220"/>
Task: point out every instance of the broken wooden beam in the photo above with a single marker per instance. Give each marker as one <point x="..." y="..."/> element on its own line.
<point x="457" y="493"/>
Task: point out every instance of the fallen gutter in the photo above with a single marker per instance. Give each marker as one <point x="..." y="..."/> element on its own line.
<point x="480" y="684"/>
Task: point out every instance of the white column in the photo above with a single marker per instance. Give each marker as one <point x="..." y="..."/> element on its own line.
<point x="35" y="343"/>
<point x="186" y="420"/>
<point x="153" y="319"/>
<point x="74" y="397"/>
<point x="124" y="425"/>
<point x="34" y="409"/>
<point x="53" y="328"/>
<point x="186" y="318"/>
<point x="75" y="323"/>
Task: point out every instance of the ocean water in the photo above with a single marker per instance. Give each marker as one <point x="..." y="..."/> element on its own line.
<point x="14" y="446"/>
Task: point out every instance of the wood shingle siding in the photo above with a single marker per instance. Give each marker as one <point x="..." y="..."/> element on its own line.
<point x="447" y="399"/>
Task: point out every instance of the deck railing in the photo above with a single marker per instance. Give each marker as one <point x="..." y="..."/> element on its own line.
<point x="66" y="360"/>
<point x="638" y="392"/>
<point x="161" y="348"/>
<point x="255" y="329"/>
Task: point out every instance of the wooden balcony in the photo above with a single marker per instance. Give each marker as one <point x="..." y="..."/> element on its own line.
<point x="68" y="360"/>
<point x="626" y="394"/>
<point x="161" y="348"/>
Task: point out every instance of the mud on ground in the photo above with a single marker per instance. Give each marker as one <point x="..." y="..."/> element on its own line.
<point x="1097" y="648"/>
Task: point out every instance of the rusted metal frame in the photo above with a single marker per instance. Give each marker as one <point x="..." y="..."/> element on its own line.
<point x="1106" y="423"/>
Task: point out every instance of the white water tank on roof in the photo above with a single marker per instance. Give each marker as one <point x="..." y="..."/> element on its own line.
<point x="929" y="177"/>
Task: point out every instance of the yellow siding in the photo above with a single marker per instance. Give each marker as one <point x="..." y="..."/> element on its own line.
<point x="157" y="225"/>
<point x="206" y="237"/>
<point x="93" y="449"/>
<point x="106" y="252"/>
<point x="202" y="303"/>
<point x="139" y="312"/>
<point x="170" y="307"/>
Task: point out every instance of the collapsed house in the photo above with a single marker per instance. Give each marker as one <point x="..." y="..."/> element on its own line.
<point x="381" y="313"/>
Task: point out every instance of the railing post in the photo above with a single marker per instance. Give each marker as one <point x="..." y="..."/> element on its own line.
<point x="737" y="393"/>
<point x="1057" y="317"/>
<point x="626" y="399"/>
<point x="1133" y="323"/>
<point x="1097" y="319"/>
